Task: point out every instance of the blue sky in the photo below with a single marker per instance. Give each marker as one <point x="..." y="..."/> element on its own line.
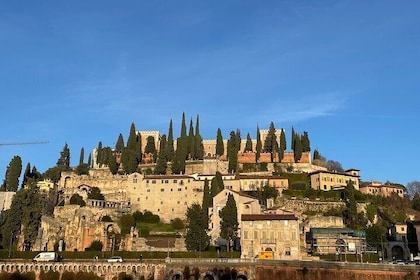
<point x="80" y="72"/>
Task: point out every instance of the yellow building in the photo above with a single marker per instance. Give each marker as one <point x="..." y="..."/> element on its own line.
<point x="377" y="188"/>
<point x="328" y="180"/>
<point x="276" y="233"/>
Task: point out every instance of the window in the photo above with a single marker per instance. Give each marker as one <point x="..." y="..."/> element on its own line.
<point x="287" y="251"/>
<point x="153" y="181"/>
<point x="138" y="198"/>
<point x="175" y="181"/>
<point x="148" y="190"/>
<point x="166" y="181"/>
<point x="162" y="190"/>
<point x="171" y="190"/>
<point x="179" y="189"/>
<point x="255" y="234"/>
<point x="161" y="202"/>
<point x="245" y="234"/>
<point x="134" y="180"/>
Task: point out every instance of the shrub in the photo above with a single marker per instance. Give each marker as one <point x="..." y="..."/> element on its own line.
<point x="177" y="224"/>
<point x="76" y="199"/>
<point x="106" y="218"/>
<point x="96" y="245"/>
<point x="298" y="185"/>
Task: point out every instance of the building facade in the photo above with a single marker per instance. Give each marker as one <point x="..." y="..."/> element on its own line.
<point x="328" y="180"/>
<point x="270" y="236"/>
<point x="377" y="188"/>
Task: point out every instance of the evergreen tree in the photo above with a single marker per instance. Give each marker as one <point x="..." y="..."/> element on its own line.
<point x="270" y="143"/>
<point x="258" y="147"/>
<point x="112" y="163"/>
<point x="119" y="146"/>
<point x="178" y="164"/>
<point x="229" y="219"/>
<point x="25" y="213"/>
<point x="171" y="150"/>
<point x="248" y="145"/>
<point x="282" y="145"/>
<point x="217" y="185"/>
<point x="90" y="160"/>
<point x="26" y="175"/>
<point x="207" y="198"/>
<point x="196" y="237"/>
<point x="306" y="146"/>
<point x="191" y="141"/>
<point x="82" y="156"/>
<point x="238" y="140"/>
<point x="293" y="139"/>
<point x="183" y="127"/>
<point x="298" y="148"/>
<point x="220" y="147"/>
<point x="232" y="150"/>
<point x="161" y="163"/>
<point x="150" y="147"/>
<point x="13" y="171"/>
<point x="133" y="151"/>
<point x="64" y="160"/>
<point x="199" y="147"/>
<point x="99" y="154"/>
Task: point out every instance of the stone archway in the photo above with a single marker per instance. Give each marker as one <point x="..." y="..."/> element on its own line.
<point x="340" y="245"/>
<point x="397" y="252"/>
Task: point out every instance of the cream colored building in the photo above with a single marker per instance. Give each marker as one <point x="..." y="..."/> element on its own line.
<point x="245" y="204"/>
<point x="270" y="236"/>
<point x="377" y="188"/>
<point x="45" y="185"/>
<point x="328" y="180"/>
<point x="6" y="200"/>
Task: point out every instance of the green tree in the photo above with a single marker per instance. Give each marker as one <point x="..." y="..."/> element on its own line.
<point x="24" y="213"/>
<point x="199" y="147"/>
<point x="232" y="151"/>
<point x="229" y="219"/>
<point x="177" y="224"/>
<point x="258" y="147"/>
<point x="13" y="171"/>
<point x="99" y="154"/>
<point x="282" y="148"/>
<point x="183" y="127"/>
<point x="207" y="198"/>
<point x="95" y="245"/>
<point x="217" y="185"/>
<point x="161" y="163"/>
<point x="76" y="199"/>
<point x="196" y="237"/>
<point x="270" y="143"/>
<point x="112" y="164"/>
<point x="119" y="146"/>
<point x="126" y="222"/>
<point x="306" y="144"/>
<point x="248" y="145"/>
<point x="132" y="155"/>
<point x="171" y="150"/>
<point x="26" y="174"/>
<point x="95" y="193"/>
<point x="82" y="156"/>
<point x="298" y="148"/>
<point x="220" y="147"/>
<point x="64" y="160"/>
<point x="191" y="141"/>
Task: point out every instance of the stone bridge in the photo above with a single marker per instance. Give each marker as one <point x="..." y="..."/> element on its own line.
<point x="219" y="269"/>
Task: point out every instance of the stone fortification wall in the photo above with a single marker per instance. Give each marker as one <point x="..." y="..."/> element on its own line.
<point x="301" y="206"/>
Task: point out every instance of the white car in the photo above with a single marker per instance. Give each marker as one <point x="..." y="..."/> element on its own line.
<point x="115" y="259"/>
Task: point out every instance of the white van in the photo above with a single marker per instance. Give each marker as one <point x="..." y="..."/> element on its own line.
<point x="46" y="257"/>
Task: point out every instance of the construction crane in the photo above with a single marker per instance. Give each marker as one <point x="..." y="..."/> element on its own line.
<point x="23" y="143"/>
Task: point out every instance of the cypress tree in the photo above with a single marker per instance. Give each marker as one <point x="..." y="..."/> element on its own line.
<point x="27" y="174"/>
<point x="133" y="151"/>
<point x="99" y="154"/>
<point x="199" y="147"/>
<point x="306" y="146"/>
<point x="232" y="150"/>
<point x="82" y="156"/>
<point x="90" y="160"/>
<point x="248" y="145"/>
<point x="220" y="147"/>
<point x="183" y="127"/>
<point x="270" y="143"/>
<point x="229" y="218"/>
<point x="161" y="163"/>
<point x="196" y="238"/>
<point x="64" y="160"/>
<point x="298" y="148"/>
<point x="13" y="171"/>
<point x="293" y="139"/>
<point x="112" y="163"/>
<point x="258" y="146"/>
<point x="191" y="141"/>
<point x="119" y="146"/>
<point x="206" y="197"/>
<point x="282" y="145"/>
<point x="238" y="140"/>
<point x="171" y="150"/>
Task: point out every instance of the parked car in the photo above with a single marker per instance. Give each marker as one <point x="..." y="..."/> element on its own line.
<point x="47" y="257"/>
<point x="116" y="259"/>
